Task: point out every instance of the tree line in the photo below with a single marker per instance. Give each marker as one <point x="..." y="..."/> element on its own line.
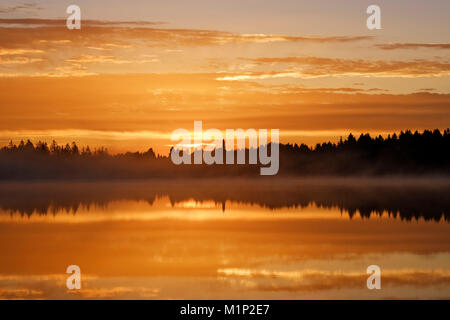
<point x="408" y="153"/>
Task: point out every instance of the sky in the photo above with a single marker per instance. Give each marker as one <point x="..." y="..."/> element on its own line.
<point x="137" y="70"/>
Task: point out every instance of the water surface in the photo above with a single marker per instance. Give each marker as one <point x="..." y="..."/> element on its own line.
<point x="226" y="239"/>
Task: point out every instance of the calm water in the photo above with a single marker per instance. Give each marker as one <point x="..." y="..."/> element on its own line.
<point x="225" y="239"/>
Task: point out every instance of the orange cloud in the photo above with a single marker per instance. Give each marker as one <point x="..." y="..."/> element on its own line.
<point x="7" y="52"/>
<point x="59" y="47"/>
<point x="36" y="22"/>
<point x="86" y="58"/>
<point x="320" y="67"/>
<point x="394" y="46"/>
<point x="20" y="7"/>
<point x="19" y="60"/>
<point x="95" y="32"/>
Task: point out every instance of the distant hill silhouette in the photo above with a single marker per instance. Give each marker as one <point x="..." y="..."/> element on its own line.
<point x="408" y="153"/>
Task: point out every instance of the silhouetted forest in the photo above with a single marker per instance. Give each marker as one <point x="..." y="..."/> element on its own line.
<point x="408" y="153"/>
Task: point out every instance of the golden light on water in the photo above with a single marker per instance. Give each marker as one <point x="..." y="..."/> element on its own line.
<point x="192" y="249"/>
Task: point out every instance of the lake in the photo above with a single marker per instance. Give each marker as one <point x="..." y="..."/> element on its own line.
<point x="226" y="239"/>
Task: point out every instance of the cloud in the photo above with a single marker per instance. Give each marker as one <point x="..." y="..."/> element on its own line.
<point x="118" y="42"/>
<point x="36" y="22"/>
<point x="427" y="89"/>
<point x="275" y="38"/>
<point x="313" y="67"/>
<point x="6" y="52"/>
<point x="395" y="46"/>
<point x="329" y="90"/>
<point x="27" y="6"/>
<point x="17" y="32"/>
<point x="19" y="60"/>
<point x="261" y="76"/>
<point x="86" y="58"/>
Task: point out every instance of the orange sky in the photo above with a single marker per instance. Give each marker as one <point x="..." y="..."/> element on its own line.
<point x="128" y="85"/>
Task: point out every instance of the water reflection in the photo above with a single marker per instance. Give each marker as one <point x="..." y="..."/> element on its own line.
<point x="293" y="239"/>
<point x="406" y="199"/>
